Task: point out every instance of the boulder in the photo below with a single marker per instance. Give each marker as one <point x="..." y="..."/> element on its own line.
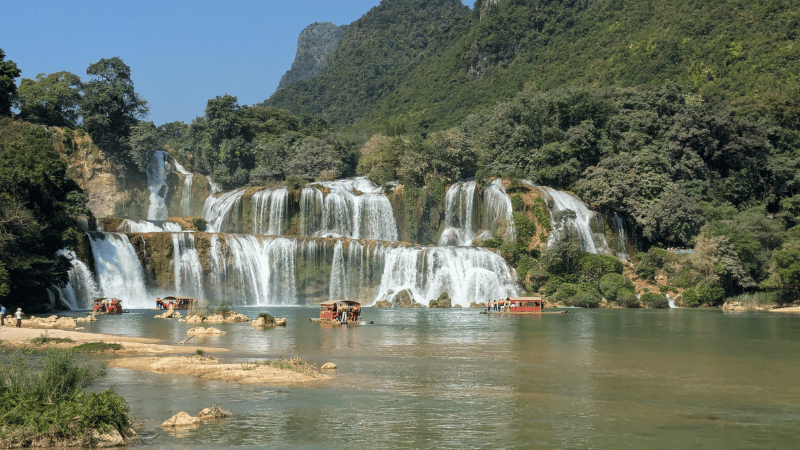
<point x="477" y="305"/>
<point x="328" y="366"/>
<point x="182" y="419"/>
<point x="111" y="438"/>
<point x="202" y="330"/>
<point x="232" y="317"/>
<point x="169" y="314"/>
<point x="261" y="322"/>
<point x="89" y="318"/>
<point x="403" y="299"/>
<point x="383" y="304"/>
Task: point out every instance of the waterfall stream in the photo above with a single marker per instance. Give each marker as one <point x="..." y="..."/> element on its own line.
<point x="157" y="185"/>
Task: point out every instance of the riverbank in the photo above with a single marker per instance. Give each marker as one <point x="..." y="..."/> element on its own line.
<point x="149" y="355"/>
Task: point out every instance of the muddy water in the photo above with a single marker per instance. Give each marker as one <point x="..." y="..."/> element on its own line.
<point x="421" y="378"/>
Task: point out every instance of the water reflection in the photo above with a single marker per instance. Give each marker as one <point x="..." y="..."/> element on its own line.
<point x="421" y="378"/>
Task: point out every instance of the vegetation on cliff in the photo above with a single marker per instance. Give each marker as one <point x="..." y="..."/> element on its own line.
<point x="36" y="201"/>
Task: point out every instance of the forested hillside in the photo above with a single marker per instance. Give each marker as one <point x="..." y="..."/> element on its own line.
<point x="743" y="50"/>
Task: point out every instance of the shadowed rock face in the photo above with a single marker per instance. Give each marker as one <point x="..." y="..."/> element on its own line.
<point x="315" y="46"/>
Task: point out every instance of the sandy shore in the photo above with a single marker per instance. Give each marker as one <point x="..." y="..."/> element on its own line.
<point x="212" y="369"/>
<point x="160" y="358"/>
<point x="790" y="309"/>
<point x="20" y="337"/>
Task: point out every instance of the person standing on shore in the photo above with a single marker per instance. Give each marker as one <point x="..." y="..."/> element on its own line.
<point x="19" y="317"/>
<point x="2" y="315"/>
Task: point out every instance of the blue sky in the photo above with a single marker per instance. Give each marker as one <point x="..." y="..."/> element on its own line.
<point x="181" y="53"/>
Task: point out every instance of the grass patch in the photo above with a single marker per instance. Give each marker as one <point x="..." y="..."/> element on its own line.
<point x="295" y="364"/>
<point x="268" y="318"/>
<point x="95" y="347"/>
<point x="757" y="299"/>
<point x="42" y="340"/>
<point x="49" y="407"/>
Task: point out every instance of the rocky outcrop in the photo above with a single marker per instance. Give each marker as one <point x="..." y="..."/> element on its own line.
<point x="383" y="304"/>
<point x="182" y="419"/>
<point x="443" y="301"/>
<point x="169" y="314"/>
<point x="53" y="322"/>
<point x="315" y="46"/>
<point x="202" y="330"/>
<point x="231" y="317"/>
<point x="328" y="366"/>
<point x="741" y="307"/>
<point x="261" y="322"/>
<point x="403" y="300"/>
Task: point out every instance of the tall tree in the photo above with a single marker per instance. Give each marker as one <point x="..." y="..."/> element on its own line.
<point x="50" y="99"/>
<point x="111" y="106"/>
<point x="8" y="88"/>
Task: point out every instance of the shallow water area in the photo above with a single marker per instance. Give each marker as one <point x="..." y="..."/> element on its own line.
<point x="454" y="378"/>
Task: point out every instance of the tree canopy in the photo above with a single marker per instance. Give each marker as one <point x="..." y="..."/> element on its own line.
<point x="8" y="87"/>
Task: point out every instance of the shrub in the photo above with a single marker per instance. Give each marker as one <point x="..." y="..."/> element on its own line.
<point x="613" y="284"/>
<point x="268" y="319"/>
<point x="653" y="300"/>
<point x="199" y="223"/>
<point x="224" y="309"/>
<point x="628" y="300"/>
<point x="50" y="407"/>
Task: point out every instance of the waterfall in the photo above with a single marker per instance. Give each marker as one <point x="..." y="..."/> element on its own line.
<point x="144" y="226"/>
<point x="256" y="272"/>
<point x="81" y="288"/>
<point x="460" y="222"/>
<point x="621" y="241"/>
<point x="354" y="208"/>
<point x="269" y="211"/>
<point x="311" y="201"/>
<point x="498" y="215"/>
<point x="186" y="268"/>
<point x="223" y="211"/>
<point x="119" y="272"/>
<point x="466" y="274"/>
<point x="157" y="184"/>
<point x="186" y="195"/>
<point x="591" y="241"/>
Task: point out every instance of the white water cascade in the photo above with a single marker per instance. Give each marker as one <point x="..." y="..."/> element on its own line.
<point x="186" y="267"/>
<point x="254" y="271"/>
<point x="222" y="211"/>
<point x="354" y="208"/>
<point x="119" y="271"/>
<point x="186" y="197"/>
<point x="466" y="274"/>
<point x="620" y="246"/>
<point x="144" y="226"/>
<point x="459" y="218"/>
<point x="157" y="185"/>
<point x="498" y="215"/>
<point x="81" y="288"/>
<point x="269" y="211"/>
<point x="591" y="241"/>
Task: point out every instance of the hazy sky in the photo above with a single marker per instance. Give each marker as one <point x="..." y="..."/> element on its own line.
<point x="181" y="53"/>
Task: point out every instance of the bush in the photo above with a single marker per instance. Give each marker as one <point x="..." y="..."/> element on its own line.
<point x="653" y="300"/>
<point x="224" y="309"/>
<point x="199" y="223"/>
<point x="628" y="300"/>
<point x="268" y="319"/>
<point x="614" y="284"/>
<point x="50" y="406"/>
<point x="650" y="262"/>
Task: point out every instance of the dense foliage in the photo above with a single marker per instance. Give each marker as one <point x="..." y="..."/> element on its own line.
<point x="36" y="201"/>
<point x="8" y="86"/>
<point x="50" y="407"/>
<point x="742" y="50"/>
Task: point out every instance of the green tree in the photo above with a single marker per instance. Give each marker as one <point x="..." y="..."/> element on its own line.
<point x="111" y="106"/>
<point x="143" y="141"/>
<point x="8" y="87"/>
<point x="50" y="99"/>
<point x="36" y="198"/>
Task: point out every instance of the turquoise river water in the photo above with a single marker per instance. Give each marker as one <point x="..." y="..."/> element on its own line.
<point x="455" y="379"/>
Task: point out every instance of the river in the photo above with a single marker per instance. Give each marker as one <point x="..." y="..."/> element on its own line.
<point x="455" y="379"/>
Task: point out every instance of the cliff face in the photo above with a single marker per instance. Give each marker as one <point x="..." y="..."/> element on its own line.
<point x="112" y="190"/>
<point x="315" y="46"/>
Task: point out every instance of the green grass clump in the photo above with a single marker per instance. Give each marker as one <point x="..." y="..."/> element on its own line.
<point x="295" y="364"/>
<point x="49" y="407"/>
<point x="95" y="347"/>
<point x="42" y="340"/>
<point x="224" y="310"/>
<point x="268" y="318"/>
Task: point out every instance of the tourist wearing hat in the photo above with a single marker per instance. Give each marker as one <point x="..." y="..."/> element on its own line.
<point x="19" y="317"/>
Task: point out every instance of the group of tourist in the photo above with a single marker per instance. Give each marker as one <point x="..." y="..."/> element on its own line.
<point x="346" y="314"/>
<point x="497" y="305"/>
<point x="17" y="316"/>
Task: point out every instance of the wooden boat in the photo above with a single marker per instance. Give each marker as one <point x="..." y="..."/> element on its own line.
<point x="339" y="312"/>
<point x="523" y="306"/>
<point x="107" y="305"/>
<point x="175" y="302"/>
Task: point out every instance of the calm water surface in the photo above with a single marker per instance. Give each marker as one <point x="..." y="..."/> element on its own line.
<point x="429" y="378"/>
